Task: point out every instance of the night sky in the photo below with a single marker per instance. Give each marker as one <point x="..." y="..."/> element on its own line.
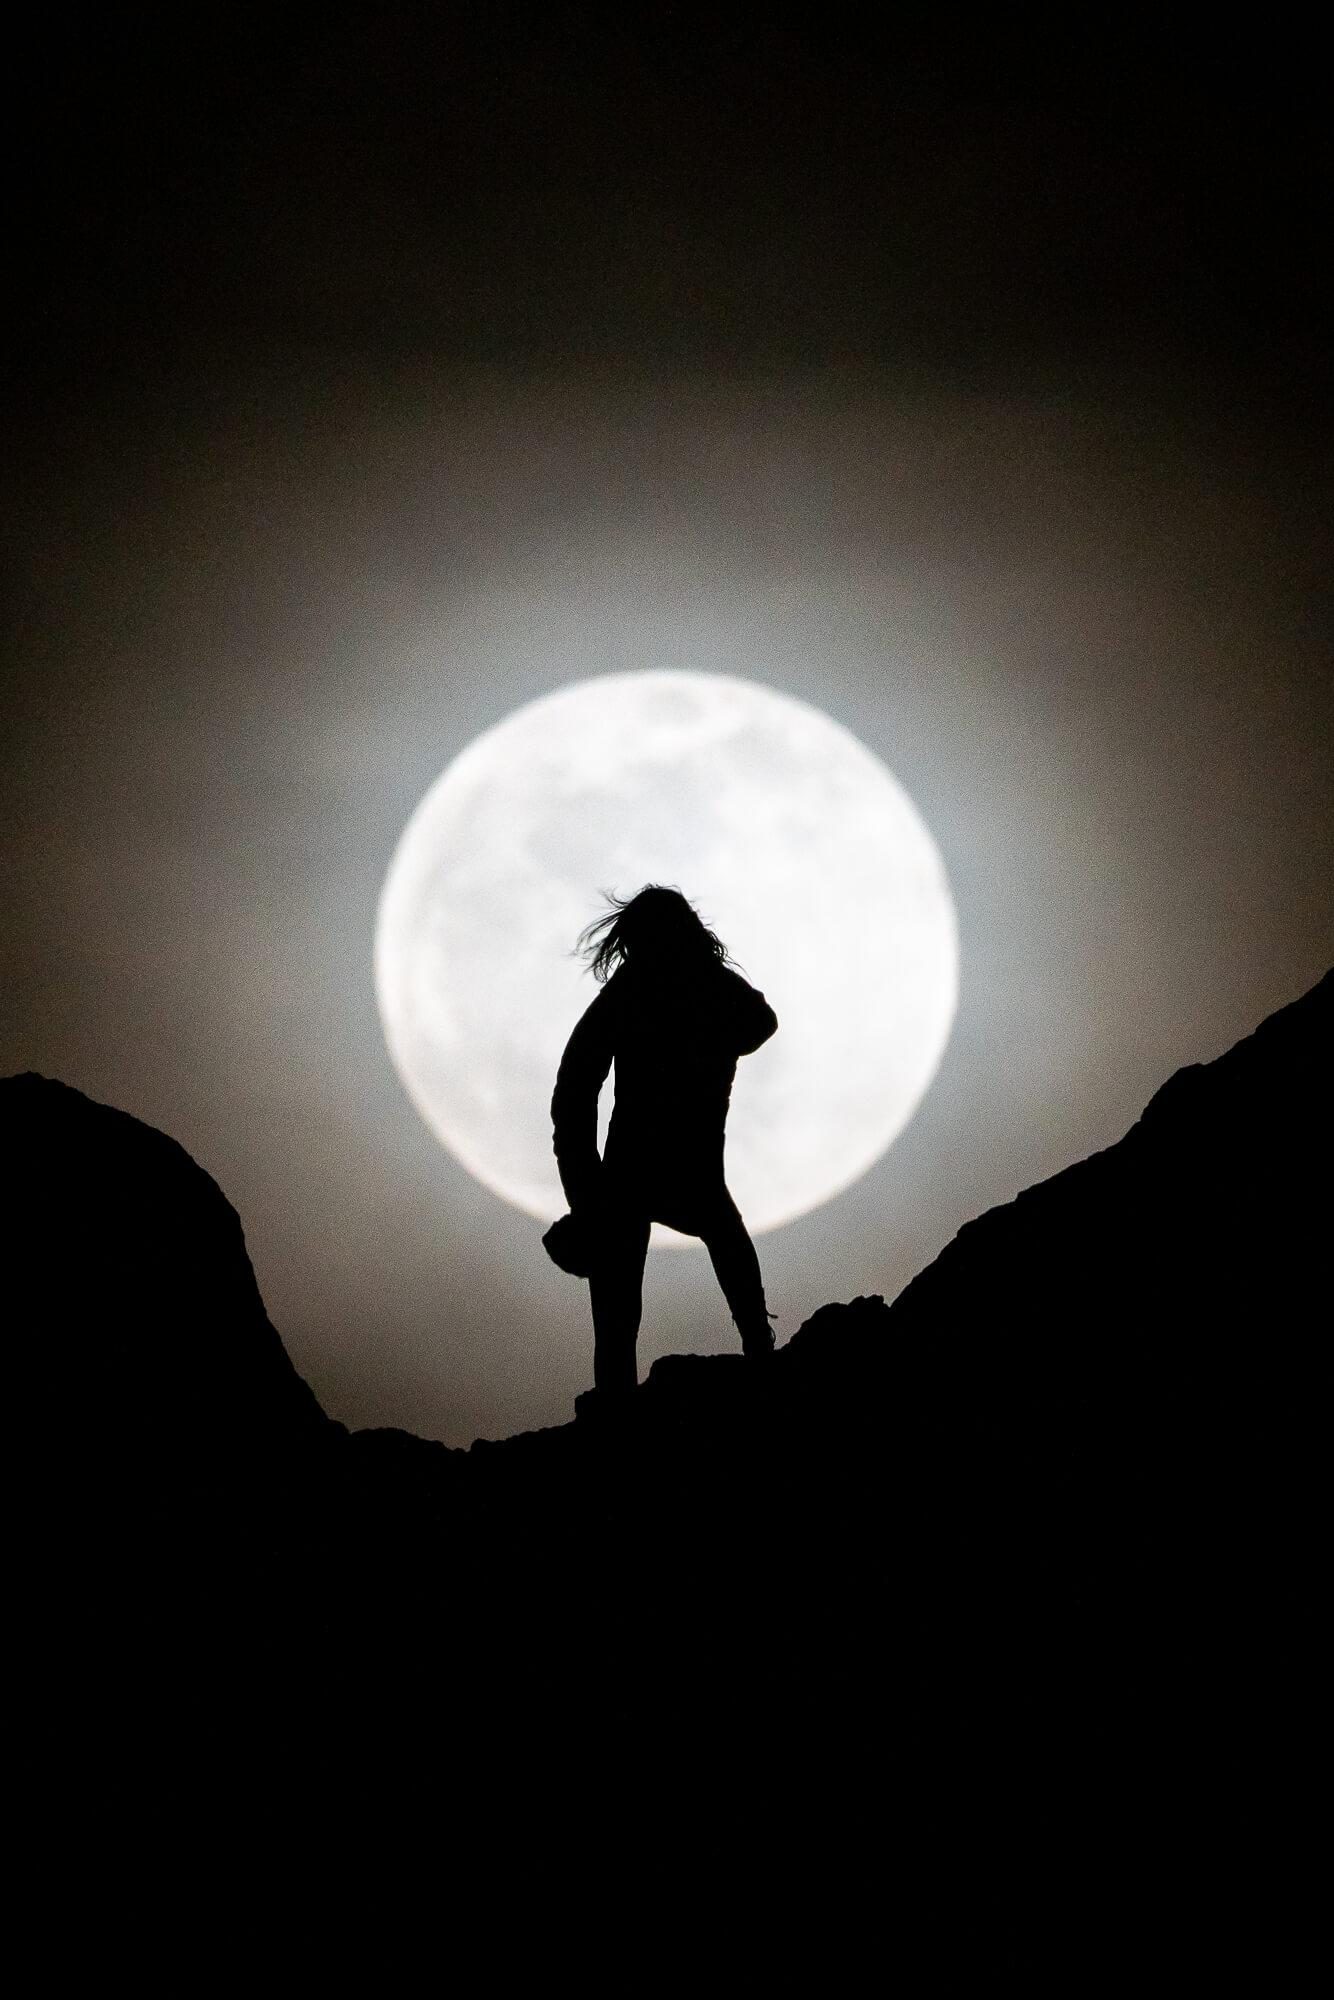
<point x="375" y="372"/>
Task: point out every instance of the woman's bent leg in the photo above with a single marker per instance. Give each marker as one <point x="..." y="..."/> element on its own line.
<point x="616" y="1289"/>
<point x="738" y="1269"/>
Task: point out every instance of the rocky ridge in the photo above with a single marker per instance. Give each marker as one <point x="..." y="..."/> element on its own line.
<point x="1036" y="1538"/>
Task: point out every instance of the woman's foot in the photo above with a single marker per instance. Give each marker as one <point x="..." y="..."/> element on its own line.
<point x="757" y="1342"/>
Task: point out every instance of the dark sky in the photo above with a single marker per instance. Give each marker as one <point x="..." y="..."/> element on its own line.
<point x="373" y="373"/>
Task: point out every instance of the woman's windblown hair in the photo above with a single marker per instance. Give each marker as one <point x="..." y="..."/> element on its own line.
<point x="658" y="926"/>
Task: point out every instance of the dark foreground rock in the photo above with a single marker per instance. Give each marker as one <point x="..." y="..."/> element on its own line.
<point x="983" y="1619"/>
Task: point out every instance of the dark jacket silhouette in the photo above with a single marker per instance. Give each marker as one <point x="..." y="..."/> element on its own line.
<point x="675" y="1039"/>
<point x="674" y="1026"/>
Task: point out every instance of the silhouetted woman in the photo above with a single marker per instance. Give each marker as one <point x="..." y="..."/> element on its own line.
<point x="674" y="1017"/>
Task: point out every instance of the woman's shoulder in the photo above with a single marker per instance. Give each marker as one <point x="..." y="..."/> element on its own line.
<point x="618" y="996"/>
<point x="602" y="1010"/>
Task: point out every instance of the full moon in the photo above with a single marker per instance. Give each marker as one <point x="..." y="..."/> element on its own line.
<point x="793" y="841"/>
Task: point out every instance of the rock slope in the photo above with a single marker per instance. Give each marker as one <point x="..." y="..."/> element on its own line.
<point x="956" y="1604"/>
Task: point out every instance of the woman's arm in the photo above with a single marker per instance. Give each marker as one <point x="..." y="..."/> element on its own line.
<point x="574" y="1104"/>
<point x="750" y="1016"/>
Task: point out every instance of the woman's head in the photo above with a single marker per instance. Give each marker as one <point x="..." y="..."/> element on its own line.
<point x="656" y="928"/>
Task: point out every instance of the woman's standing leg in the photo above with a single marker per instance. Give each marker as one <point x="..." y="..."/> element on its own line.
<point x="616" y="1289"/>
<point x="728" y="1243"/>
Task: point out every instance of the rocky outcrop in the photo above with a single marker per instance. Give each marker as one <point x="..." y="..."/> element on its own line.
<point x="1025" y="1546"/>
<point x="141" y="1306"/>
<point x="1171" y="1274"/>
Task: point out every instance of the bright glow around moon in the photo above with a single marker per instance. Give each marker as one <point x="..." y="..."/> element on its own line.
<point x="793" y="841"/>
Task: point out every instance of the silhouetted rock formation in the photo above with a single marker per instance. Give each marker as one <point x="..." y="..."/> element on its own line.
<point x="135" y="1268"/>
<point x="1020" y="1562"/>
